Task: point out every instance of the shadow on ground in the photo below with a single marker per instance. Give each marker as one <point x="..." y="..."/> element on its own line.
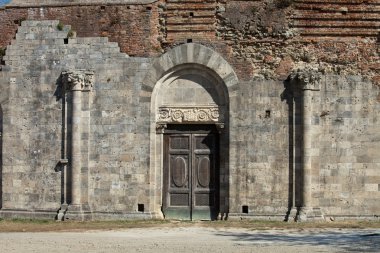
<point x="344" y="241"/>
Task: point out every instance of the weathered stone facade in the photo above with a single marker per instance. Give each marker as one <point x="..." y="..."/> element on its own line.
<point x="294" y="101"/>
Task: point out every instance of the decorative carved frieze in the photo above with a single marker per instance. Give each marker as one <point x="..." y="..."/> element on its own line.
<point x="81" y="80"/>
<point x="201" y="114"/>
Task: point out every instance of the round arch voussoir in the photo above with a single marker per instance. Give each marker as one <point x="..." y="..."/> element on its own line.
<point x="190" y="53"/>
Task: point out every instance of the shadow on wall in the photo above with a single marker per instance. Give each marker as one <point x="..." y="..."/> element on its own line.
<point x="295" y="104"/>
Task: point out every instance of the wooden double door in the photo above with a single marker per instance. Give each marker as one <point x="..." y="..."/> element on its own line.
<point x="191" y="172"/>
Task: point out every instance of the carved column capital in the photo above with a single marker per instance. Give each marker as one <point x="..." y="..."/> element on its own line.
<point x="306" y="79"/>
<point x="78" y="80"/>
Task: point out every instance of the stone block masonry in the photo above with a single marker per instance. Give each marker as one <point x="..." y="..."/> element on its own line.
<point x="294" y="102"/>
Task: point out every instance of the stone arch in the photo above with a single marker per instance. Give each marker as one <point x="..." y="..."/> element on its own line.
<point x="190" y="53"/>
<point x="189" y="66"/>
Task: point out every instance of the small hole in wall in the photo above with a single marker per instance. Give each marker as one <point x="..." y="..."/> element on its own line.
<point x="102" y="7"/>
<point x="189" y="40"/>
<point x="149" y="8"/>
<point x="191" y="14"/>
<point x="66" y="41"/>
<point x="244" y="209"/>
<point x="140" y="208"/>
<point x="267" y="114"/>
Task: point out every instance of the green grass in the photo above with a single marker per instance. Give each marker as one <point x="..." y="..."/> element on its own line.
<point x="34" y="225"/>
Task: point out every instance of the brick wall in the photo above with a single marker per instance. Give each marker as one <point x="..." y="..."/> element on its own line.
<point x="263" y="38"/>
<point x="134" y="27"/>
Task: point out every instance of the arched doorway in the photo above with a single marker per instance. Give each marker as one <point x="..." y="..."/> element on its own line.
<point x="190" y="104"/>
<point x="188" y="90"/>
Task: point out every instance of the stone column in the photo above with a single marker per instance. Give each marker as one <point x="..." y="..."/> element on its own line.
<point x="76" y="82"/>
<point x="76" y="164"/>
<point x="306" y="85"/>
<point x="308" y="129"/>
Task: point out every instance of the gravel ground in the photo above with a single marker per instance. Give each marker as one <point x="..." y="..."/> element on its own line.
<point x="194" y="239"/>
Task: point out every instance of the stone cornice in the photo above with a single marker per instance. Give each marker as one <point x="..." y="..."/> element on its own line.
<point x="78" y="80"/>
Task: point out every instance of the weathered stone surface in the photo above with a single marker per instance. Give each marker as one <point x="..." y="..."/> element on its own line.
<point x="309" y="141"/>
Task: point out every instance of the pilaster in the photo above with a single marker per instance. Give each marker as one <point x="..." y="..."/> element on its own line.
<point x="306" y="86"/>
<point x="76" y="82"/>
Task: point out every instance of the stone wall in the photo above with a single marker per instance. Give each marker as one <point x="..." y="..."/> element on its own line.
<point x="33" y="138"/>
<point x="348" y="179"/>
<point x="282" y="149"/>
<point x="260" y="137"/>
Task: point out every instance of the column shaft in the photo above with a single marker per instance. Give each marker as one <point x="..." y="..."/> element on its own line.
<point x="307" y="146"/>
<point x="76" y="148"/>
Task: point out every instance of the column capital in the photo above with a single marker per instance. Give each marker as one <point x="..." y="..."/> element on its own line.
<point x="306" y="79"/>
<point x="78" y="80"/>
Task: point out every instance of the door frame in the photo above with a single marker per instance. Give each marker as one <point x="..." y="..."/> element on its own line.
<point x="192" y="130"/>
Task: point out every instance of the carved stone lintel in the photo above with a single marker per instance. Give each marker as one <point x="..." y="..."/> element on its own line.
<point x="78" y="80"/>
<point x="190" y="114"/>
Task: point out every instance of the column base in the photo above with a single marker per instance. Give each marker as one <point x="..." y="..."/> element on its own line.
<point x="77" y="212"/>
<point x="291" y="216"/>
<point x="61" y="212"/>
<point x="309" y="214"/>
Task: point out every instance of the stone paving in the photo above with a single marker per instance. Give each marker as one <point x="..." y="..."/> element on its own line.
<point x="193" y="239"/>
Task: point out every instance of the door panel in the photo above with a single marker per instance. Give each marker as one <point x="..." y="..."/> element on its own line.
<point x="179" y="165"/>
<point x="190" y="173"/>
<point x="177" y="187"/>
<point x="203" y="171"/>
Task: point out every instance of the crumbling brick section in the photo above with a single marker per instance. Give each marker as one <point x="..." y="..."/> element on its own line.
<point x="347" y="30"/>
<point x="134" y="27"/>
<point x="260" y="38"/>
<point x="189" y="20"/>
<point x="339" y="18"/>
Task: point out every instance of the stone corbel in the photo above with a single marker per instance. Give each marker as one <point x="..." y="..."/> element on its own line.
<point x="160" y="128"/>
<point x="220" y="127"/>
<point x="78" y="80"/>
<point x="12" y="80"/>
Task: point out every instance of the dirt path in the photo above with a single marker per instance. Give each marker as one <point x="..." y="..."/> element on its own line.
<point x="193" y="239"/>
